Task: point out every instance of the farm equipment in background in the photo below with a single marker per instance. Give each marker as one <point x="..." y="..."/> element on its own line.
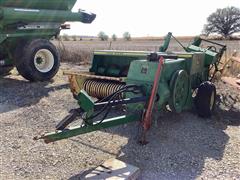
<point x="142" y="82"/>
<point x="26" y="26"/>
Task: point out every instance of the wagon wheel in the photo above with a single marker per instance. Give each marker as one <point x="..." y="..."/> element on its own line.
<point x="179" y="86"/>
<point x="37" y="60"/>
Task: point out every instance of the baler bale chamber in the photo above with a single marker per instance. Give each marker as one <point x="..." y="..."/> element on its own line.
<point x="26" y="26"/>
<point x="143" y="82"/>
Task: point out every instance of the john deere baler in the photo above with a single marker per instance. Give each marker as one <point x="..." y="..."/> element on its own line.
<point x="143" y="82"/>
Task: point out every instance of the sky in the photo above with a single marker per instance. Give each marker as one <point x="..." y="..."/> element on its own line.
<point x="147" y="17"/>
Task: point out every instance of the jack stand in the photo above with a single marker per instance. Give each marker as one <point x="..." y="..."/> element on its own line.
<point x="143" y="140"/>
<point x="147" y="120"/>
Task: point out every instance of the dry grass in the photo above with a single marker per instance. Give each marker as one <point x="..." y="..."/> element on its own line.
<point x="76" y="56"/>
<point x="232" y="67"/>
<point x="80" y="52"/>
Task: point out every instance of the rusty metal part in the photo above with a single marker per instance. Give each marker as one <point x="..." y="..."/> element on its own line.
<point x="75" y="89"/>
<point x="92" y="76"/>
<point x="148" y="115"/>
<point x="147" y="120"/>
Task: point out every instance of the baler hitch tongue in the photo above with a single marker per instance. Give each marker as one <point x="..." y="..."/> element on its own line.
<point x="92" y="110"/>
<point x="36" y="138"/>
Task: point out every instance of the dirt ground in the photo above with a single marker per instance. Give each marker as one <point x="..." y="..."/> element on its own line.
<point x="182" y="146"/>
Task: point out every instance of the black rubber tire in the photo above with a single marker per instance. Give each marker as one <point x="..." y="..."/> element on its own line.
<point x="203" y="99"/>
<point x="24" y="60"/>
<point x="4" y="71"/>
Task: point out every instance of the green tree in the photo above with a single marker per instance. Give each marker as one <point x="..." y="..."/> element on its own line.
<point x="224" y="21"/>
<point x="114" y="37"/>
<point x="102" y="36"/>
<point x="127" y="36"/>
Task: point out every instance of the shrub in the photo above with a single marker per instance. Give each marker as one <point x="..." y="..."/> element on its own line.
<point x="127" y="36"/>
<point x="102" y="36"/>
<point x="114" y="37"/>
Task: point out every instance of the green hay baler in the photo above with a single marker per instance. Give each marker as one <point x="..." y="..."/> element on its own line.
<point x="26" y="26"/>
<point x="143" y="82"/>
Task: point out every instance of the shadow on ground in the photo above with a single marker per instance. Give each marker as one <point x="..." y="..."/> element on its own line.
<point x="178" y="145"/>
<point x="16" y="93"/>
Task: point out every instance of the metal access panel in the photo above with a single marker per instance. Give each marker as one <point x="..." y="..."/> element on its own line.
<point x="197" y="63"/>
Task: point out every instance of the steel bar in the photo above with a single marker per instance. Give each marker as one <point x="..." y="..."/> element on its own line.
<point x="148" y="115"/>
<point x="212" y="42"/>
<point x="74" y="131"/>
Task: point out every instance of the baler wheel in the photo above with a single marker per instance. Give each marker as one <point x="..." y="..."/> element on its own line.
<point x="179" y="86"/>
<point x="37" y="60"/>
<point x="205" y="99"/>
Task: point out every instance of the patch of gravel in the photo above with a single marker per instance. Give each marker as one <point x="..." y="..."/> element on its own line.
<point x="182" y="146"/>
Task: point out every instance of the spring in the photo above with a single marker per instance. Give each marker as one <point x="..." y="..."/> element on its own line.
<point x="101" y="89"/>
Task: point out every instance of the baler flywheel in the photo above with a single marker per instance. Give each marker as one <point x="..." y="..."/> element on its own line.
<point x="180" y="87"/>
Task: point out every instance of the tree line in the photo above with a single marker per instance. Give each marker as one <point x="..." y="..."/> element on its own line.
<point x="104" y="37"/>
<point x="224" y="22"/>
<point x="101" y="36"/>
